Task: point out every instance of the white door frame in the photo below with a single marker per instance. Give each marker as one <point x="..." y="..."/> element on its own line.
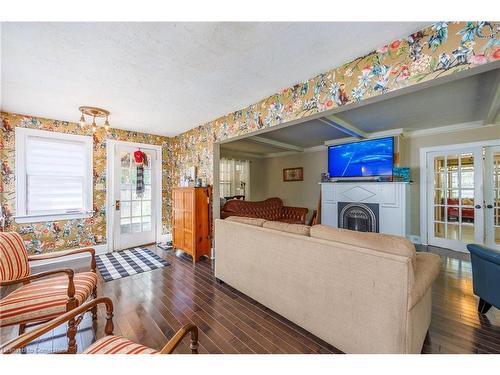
<point x="458" y="245"/>
<point x="489" y="198"/>
<point x="110" y="157"/>
<point x="423" y="177"/>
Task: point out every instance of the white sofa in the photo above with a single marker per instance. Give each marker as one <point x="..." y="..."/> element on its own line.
<point x="360" y="292"/>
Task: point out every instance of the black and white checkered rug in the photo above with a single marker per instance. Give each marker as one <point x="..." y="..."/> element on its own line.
<point x="128" y="262"/>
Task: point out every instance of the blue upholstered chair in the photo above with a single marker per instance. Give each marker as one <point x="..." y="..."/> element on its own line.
<point x="485" y="276"/>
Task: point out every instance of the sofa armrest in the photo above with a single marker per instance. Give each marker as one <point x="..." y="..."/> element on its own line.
<point x="295" y="214"/>
<point x="484" y="253"/>
<point x="427" y="270"/>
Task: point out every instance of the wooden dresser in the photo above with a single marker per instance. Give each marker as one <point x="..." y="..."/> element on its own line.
<point x="191" y="221"/>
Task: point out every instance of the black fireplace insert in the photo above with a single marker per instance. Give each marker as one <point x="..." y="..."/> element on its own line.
<point x="362" y="217"/>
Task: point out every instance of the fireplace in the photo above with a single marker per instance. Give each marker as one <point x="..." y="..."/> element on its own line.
<point x="361" y="217"/>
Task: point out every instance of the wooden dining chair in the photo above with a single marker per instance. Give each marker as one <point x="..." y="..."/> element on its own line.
<point x="45" y="295"/>
<point x="109" y="344"/>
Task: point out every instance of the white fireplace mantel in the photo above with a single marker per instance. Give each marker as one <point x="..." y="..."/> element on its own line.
<point x="392" y="198"/>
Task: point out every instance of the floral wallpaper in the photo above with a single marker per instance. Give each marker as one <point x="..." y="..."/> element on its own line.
<point x="57" y="235"/>
<point x="441" y="49"/>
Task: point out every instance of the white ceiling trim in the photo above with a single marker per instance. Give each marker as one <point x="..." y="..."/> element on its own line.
<point x="287" y="153"/>
<point x="274" y="143"/>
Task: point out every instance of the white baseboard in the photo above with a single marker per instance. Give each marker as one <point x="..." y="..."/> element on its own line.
<point x="415" y="239"/>
<point x="99" y="249"/>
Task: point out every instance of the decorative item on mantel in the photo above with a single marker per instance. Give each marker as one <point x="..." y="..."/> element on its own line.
<point x="401" y="174"/>
<point x="94" y="112"/>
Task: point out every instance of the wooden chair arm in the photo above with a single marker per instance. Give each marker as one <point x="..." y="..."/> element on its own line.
<point x="59" y="254"/>
<point x="181" y="333"/>
<point x="23" y="340"/>
<point x="35" y="276"/>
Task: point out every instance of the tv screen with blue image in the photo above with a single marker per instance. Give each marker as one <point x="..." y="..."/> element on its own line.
<point x="362" y="159"/>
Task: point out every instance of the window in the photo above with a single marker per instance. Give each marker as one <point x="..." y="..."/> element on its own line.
<point x="53" y="176"/>
<point x="234" y="178"/>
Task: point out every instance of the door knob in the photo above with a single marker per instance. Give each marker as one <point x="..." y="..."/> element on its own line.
<point x="478" y="206"/>
<point x="117" y="205"/>
<point x="489" y="206"/>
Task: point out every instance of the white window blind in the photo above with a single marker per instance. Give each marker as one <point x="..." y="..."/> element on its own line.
<point x="55" y="175"/>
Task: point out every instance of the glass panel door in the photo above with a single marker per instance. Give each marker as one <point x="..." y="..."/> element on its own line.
<point x="455" y="198"/>
<point x="492" y="196"/>
<point x="134" y="214"/>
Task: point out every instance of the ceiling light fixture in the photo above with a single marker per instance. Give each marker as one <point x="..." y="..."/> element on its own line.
<point x="82" y="120"/>
<point x="94" y="112"/>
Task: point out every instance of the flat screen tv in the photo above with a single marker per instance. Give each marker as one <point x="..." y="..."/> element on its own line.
<point x="370" y="158"/>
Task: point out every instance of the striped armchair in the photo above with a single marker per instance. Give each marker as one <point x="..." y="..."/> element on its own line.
<point x="109" y="344"/>
<point x="41" y="298"/>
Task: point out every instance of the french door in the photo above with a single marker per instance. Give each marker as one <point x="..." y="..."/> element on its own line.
<point x="492" y="196"/>
<point x="134" y="214"/>
<point x="455" y="198"/>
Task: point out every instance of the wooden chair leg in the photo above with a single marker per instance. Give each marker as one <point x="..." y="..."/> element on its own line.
<point x="483" y="306"/>
<point x="71" y="333"/>
<point x="94" y="309"/>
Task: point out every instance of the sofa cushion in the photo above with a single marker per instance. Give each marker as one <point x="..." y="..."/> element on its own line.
<point x="287" y="227"/>
<point x="247" y="220"/>
<point x="377" y="241"/>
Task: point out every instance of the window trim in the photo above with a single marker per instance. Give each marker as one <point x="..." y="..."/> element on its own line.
<point x="21" y="135"/>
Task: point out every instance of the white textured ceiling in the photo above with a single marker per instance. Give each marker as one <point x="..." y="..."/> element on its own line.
<point x="165" y="78"/>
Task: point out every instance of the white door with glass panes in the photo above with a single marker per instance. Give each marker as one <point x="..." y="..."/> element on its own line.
<point x="492" y="196"/>
<point x="455" y="198"/>
<point x="134" y="213"/>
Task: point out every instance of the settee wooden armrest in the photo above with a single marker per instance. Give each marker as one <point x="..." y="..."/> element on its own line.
<point x="60" y="254"/>
<point x="71" y="283"/>
<point x="35" y="276"/>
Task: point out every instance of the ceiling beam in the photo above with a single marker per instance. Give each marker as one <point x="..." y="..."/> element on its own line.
<point x="343" y="126"/>
<point x="494" y="103"/>
<point x="380" y="134"/>
<point x="277" y="144"/>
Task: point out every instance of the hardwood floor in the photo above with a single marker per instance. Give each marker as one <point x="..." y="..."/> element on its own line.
<point x="150" y="307"/>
